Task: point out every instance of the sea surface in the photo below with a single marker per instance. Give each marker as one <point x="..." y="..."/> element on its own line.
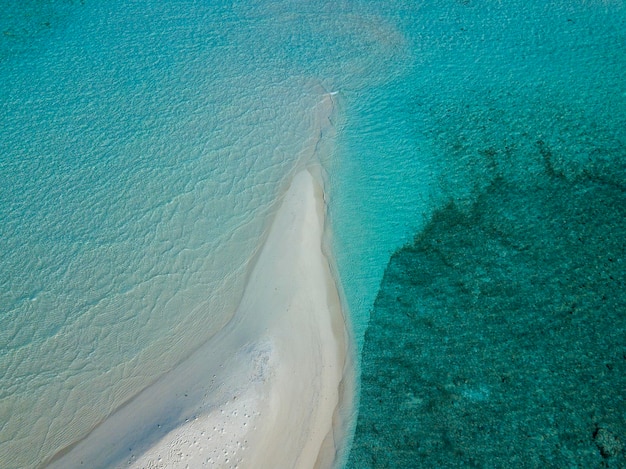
<point x="144" y="144"/>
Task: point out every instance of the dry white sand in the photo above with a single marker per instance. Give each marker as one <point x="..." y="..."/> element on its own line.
<point x="267" y="391"/>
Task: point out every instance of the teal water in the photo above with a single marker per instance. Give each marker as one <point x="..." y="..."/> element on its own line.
<point x="485" y="83"/>
<point x="497" y="334"/>
<point x="142" y="149"/>
<point x="497" y="337"/>
<point x="143" y="145"/>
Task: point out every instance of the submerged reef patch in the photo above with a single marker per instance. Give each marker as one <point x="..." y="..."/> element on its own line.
<point x="497" y="338"/>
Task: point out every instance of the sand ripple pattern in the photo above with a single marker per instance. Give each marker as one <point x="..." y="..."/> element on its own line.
<point x="140" y="164"/>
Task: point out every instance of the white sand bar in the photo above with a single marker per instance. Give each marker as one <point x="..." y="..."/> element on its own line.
<point x="265" y="392"/>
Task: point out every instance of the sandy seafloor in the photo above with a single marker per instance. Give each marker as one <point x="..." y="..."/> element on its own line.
<point x="146" y="149"/>
<point x="271" y="389"/>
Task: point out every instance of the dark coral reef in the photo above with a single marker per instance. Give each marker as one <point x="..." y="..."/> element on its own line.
<point x="498" y="338"/>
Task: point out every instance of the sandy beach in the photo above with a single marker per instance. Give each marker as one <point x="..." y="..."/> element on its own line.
<point x="268" y="391"/>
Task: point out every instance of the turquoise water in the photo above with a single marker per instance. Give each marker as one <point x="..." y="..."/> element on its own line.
<point x="143" y="145"/>
<point x="486" y="82"/>
<point x="496" y="337"/>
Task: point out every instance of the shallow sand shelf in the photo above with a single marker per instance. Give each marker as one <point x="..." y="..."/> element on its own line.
<point x="267" y="391"/>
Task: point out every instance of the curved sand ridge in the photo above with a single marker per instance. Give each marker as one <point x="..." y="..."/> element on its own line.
<point x="266" y="391"/>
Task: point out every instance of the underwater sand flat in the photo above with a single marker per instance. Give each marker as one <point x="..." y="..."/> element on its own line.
<point x="265" y="392"/>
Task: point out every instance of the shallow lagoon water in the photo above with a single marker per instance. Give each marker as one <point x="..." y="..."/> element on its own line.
<point x="494" y="334"/>
<point x="143" y="147"/>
